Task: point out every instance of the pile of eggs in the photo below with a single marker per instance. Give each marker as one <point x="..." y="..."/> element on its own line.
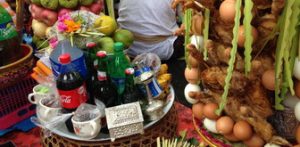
<point x="231" y="130"/>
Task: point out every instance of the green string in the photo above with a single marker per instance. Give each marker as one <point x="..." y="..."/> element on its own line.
<point x="232" y="57"/>
<point x="282" y="43"/>
<point x="187" y="23"/>
<point x="248" y="34"/>
<point x="206" y="31"/>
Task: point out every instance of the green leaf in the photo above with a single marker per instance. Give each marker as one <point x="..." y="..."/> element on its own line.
<point x="182" y="134"/>
<point x="110" y="8"/>
<point x="206" y="31"/>
<point x="283" y="44"/>
<point x="232" y="56"/>
<point x="248" y="34"/>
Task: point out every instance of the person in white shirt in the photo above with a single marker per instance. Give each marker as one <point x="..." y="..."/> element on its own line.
<point x="153" y="23"/>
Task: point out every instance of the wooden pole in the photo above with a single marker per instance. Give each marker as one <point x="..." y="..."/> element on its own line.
<point x="19" y="17"/>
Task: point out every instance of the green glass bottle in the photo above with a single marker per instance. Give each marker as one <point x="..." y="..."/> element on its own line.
<point x="118" y="66"/>
<point x="10" y="49"/>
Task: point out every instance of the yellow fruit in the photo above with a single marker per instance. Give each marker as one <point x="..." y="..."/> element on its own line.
<point x="105" y="24"/>
<point x="163" y="69"/>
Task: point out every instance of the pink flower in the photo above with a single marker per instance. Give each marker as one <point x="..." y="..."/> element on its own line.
<point x="53" y="42"/>
<point x="64" y="17"/>
<point x="61" y="27"/>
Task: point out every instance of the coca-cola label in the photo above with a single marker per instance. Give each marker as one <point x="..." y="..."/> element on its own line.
<point x="71" y="99"/>
<point x="101" y="76"/>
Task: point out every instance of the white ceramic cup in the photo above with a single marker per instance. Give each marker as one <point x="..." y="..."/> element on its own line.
<point x="87" y="129"/>
<point x="36" y="95"/>
<point x="46" y="113"/>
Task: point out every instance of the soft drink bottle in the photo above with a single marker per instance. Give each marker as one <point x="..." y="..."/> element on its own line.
<point x="91" y="71"/>
<point x="132" y="92"/>
<point x="10" y="49"/>
<point x="70" y="86"/>
<point x="118" y="66"/>
<point x="105" y="91"/>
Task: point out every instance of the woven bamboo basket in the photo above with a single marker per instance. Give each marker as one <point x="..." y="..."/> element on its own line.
<point x="166" y="128"/>
<point x="14" y="72"/>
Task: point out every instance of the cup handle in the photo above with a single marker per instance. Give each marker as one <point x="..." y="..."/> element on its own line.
<point x="30" y="96"/>
<point x="94" y="126"/>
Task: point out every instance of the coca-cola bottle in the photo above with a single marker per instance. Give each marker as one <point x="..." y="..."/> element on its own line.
<point x="132" y="92"/>
<point x="70" y="86"/>
<point x="105" y="91"/>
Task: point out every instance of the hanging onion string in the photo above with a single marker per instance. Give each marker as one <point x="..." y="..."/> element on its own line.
<point x="248" y="34"/>
<point x="232" y="57"/>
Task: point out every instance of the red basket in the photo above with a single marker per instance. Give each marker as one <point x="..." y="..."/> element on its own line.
<point x="14" y="105"/>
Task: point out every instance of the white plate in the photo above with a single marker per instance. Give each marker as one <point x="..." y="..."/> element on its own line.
<point x="62" y="130"/>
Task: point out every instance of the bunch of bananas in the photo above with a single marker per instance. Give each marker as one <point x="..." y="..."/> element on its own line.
<point x="163" y="77"/>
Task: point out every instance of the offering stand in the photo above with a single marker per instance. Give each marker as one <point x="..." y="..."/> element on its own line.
<point x="166" y="127"/>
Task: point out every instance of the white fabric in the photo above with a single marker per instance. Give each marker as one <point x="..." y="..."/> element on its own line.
<point x="150" y="18"/>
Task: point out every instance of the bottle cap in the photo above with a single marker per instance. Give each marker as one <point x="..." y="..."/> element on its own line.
<point x="90" y="44"/>
<point x="129" y="71"/>
<point x="118" y="46"/>
<point x="64" y="58"/>
<point x="101" y="54"/>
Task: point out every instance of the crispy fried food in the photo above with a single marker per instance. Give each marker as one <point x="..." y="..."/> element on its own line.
<point x="214" y="77"/>
<point x="258" y="99"/>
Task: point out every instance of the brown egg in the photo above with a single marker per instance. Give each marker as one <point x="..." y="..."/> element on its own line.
<point x="298" y="134"/>
<point x="242" y="130"/>
<point x="209" y="111"/>
<point x="194" y="63"/>
<point x="255" y="141"/>
<point x="241" y="35"/>
<point x="231" y="137"/>
<point x="268" y="79"/>
<point x="197" y="110"/>
<point x="197" y="27"/>
<point x="192" y="75"/>
<point x="297" y="88"/>
<point x="298" y="145"/>
<point x="227" y="11"/>
<point x="224" y="125"/>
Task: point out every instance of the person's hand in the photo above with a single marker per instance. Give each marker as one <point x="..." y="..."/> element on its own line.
<point x="180" y="31"/>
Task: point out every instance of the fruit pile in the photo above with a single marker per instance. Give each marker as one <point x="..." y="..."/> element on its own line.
<point x="46" y="12"/>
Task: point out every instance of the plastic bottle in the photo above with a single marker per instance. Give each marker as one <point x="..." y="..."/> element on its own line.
<point x="10" y="49"/>
<point x="70" y="85"/>
<point x="118" y="66"/>
<point x="105" y="91"/>
<point x="76" y="54"/>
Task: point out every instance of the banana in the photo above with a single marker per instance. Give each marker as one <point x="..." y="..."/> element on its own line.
<point x="163" y="69"/>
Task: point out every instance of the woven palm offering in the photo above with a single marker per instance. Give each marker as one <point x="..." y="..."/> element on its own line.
<point x="243" y="70"/>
